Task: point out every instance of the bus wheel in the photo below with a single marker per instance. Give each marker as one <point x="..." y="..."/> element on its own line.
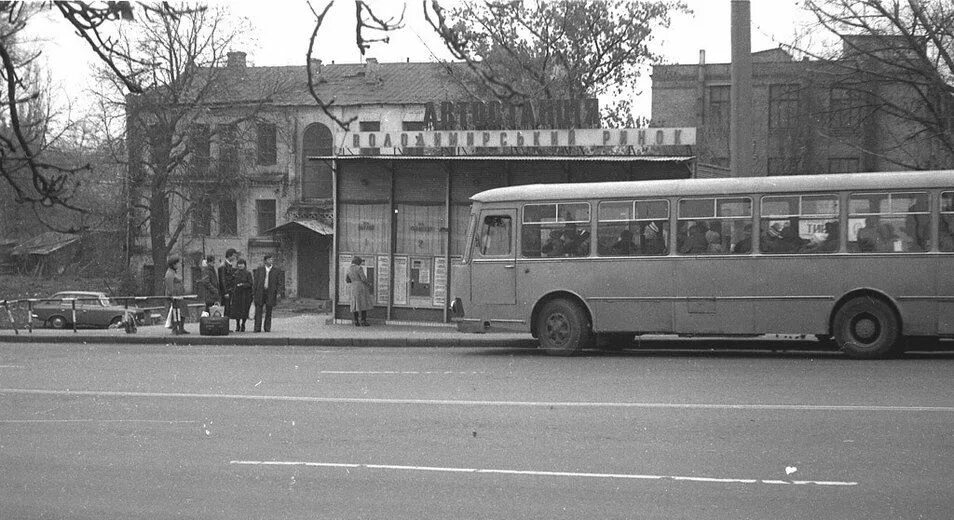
<point x="866" y="328"/>
<point x="563" y="328"/>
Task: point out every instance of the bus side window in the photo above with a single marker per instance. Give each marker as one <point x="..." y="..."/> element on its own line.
<point x="495" y="236"/>
<point x="945" y="232"/>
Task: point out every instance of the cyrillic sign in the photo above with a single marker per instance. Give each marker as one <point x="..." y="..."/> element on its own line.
<point x="635" y="137"/>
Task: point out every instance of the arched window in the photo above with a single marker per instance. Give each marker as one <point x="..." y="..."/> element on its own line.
<point x="316" y="174"/>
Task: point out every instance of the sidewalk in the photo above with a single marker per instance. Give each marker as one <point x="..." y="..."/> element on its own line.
<point x="296" y="330"/>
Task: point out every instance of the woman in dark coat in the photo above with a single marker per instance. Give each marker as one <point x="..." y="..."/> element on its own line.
<point x="362" y="297"/>
<point x="174" y="287"/>
<point x="241" y="296"/>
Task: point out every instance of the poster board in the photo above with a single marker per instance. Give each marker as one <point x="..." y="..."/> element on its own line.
<point x="400" y="280"/>
<point x="440" y="282"/>
<point x="344" y="288"/>
<point x="382" y="280"/>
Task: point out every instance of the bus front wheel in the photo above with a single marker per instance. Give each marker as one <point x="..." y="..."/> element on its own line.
<point x="563" y="328"/>
<point x="866" y="328"/>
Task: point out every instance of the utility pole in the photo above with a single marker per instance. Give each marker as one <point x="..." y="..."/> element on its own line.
<point x="741" y="147"/>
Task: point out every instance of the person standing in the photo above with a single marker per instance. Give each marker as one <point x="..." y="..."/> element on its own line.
<point x="268" y="283"/>
<point x="227" y="278"/>
<point x="174" y="289"/>
<point x="362" y="299"/>
<point x="208" y="285"/>
<point x="241" y="296"/>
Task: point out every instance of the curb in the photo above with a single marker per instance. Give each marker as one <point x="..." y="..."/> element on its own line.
<point x="266" y="341"/>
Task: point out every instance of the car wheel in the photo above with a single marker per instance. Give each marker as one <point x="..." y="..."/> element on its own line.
<point x="866" y="328"/>
<point x="58" y="322"/>
<point x="563" y="328"/>
<point x="115" y="323"/>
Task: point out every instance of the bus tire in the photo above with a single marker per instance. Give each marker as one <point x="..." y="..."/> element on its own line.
<point x="563" y="328"/>
<point x="866" y="328"/>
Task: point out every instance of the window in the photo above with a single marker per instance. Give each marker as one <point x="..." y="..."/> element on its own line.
<point x="719" y="106"/>
<point x="633" y="228"/>
<point x="715" y="226"/>
<point x="843" y="165"/>
<point x="265" y="212"/>
<point x="783" y="105"/>
<point x="800" y="224"/>
<point x="201" y="148"/>
<point x="228" y="150"/>
<point x="316" y="177"/>
<point x="267" y="144"/>
<point x="228" y="218"/>
<point x="495" y="237"/>
<point x="888" y="223"/>
<point x="552" y="230"/>
<point x="370" y="126"/>
<point x="202" y="218"/>
<point x="945" y="232"/>
<point x="844" y="108"/>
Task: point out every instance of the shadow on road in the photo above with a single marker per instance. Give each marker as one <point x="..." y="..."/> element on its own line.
<point x="747" y="348"/>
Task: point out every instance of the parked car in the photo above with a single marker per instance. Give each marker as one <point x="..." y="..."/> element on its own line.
<point x="93" y="309"/>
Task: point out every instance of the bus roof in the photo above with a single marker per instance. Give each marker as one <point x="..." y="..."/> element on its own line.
<point x="721" y="186"/>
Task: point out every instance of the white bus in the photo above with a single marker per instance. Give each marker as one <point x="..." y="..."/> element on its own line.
<point x="865" y="259"/>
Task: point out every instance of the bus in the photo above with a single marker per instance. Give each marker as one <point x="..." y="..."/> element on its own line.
<point x="862" y="260"/>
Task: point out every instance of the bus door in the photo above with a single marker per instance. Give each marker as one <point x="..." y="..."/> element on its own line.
<point x="493" y="270"/>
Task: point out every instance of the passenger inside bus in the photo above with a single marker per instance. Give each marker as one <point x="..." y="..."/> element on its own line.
<point x="945" y="238"/>
<point x="554" y="245"/>
<point x="654" y="242"/>
<point x="625" y="244"/>
<point x="714" y="238"/>
<point x="744" y="245"/>
<point x="869" y="238"/>
<point x="693" y="241"/>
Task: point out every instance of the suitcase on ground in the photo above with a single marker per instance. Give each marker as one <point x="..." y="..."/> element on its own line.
<point x="213" y="326"/>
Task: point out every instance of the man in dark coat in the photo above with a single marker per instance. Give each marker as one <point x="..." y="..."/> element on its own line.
<point x="227" y="278"/>
<point x="268" y="284"/>
<point x="208" y="285"/>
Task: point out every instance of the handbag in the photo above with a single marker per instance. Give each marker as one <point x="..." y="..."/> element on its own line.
<point x="348" y="278"/>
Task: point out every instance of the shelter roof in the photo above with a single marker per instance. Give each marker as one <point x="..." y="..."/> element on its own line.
<point x="44" y="244"/>
<point x="318" y="226"/>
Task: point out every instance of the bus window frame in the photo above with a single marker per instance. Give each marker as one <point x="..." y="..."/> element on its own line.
<point x="715" y="216"/>
<point x="478" y="235"/>
<point x="633" y="205"/>
<point x="852" y="246"/>
<point x="581" y="224"/>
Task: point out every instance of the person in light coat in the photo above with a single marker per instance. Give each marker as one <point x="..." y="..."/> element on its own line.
<point x="174" y="287"/>
<point x="362" y="297"/>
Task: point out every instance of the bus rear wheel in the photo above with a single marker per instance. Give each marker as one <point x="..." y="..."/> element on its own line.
<point x="563" y="328"/>
<point x="866" y="328"/>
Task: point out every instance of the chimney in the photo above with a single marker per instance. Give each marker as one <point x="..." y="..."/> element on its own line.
<point x="236" y="60"/>
<point x="741" y="149"/>
<point x="371" y="70"/>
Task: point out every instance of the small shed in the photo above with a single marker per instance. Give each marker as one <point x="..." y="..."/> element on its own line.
<point x="47" y="254"/>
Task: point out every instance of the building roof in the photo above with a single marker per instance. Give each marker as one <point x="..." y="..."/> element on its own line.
<point x="44" y="243"/>
<point x="347" y="84"/>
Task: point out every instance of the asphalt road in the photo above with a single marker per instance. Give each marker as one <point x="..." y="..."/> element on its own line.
<point x="109" y="431"/>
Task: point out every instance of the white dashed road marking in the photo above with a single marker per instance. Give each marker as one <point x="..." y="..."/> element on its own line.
<point x="630" y="476"/>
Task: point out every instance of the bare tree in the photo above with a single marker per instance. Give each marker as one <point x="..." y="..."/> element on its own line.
<point x="27" y="128"/>
<point x="896" y="68"/>
<point x="191" y="100"/>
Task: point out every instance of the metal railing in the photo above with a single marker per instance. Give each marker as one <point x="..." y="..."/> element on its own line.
<point x="128" y="321"/>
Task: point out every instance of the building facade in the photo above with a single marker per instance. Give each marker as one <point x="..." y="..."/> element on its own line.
<point x="393" y="187"/>
<point x="810" y="116"/>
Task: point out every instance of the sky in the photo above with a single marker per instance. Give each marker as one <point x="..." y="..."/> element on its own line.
<point x="281" y="30"/>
